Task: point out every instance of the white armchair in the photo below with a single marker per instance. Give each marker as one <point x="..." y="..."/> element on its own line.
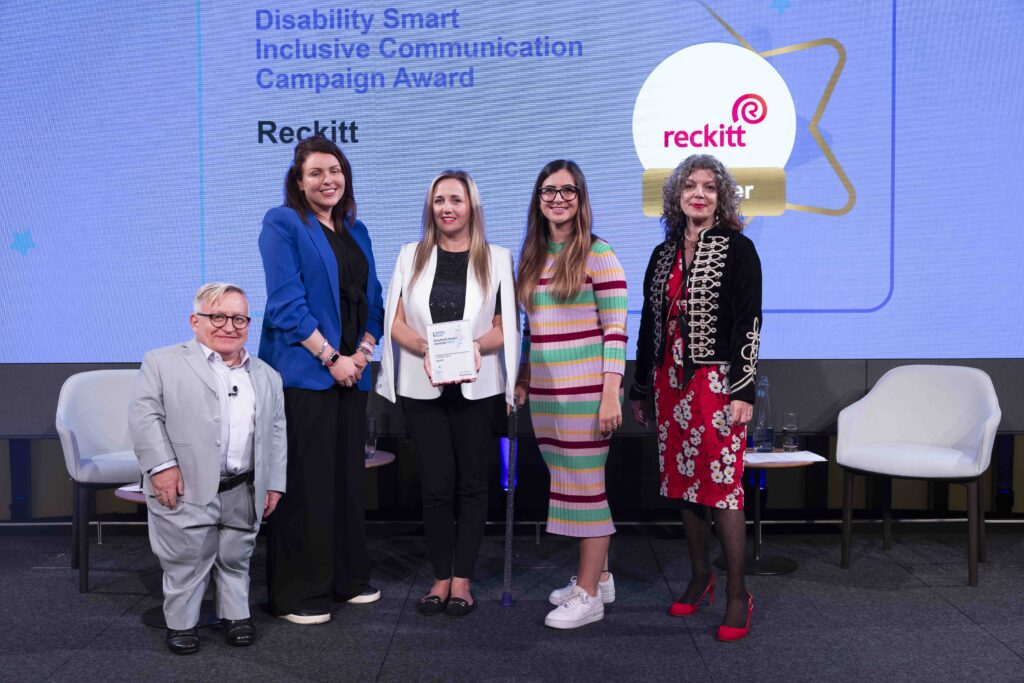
<point x="92" y="421"/>
<point x="922" y="422"/>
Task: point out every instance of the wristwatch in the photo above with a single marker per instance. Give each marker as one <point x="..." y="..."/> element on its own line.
<point x="332" y="360"/>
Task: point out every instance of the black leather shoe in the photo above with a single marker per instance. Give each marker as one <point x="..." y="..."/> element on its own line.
<point x="431" y="606"/>
<point x="183" y="642"/>
<point x="238" y="632"/>
<point x="457" y="607"/>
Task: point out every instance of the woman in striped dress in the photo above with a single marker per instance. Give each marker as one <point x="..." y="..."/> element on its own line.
<point x="574" y="292"/>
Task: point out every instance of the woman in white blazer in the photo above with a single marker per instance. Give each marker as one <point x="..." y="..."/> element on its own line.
<point x="451" y="274"/>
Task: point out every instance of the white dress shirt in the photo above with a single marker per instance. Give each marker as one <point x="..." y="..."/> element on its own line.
<point x="238" y="405"/>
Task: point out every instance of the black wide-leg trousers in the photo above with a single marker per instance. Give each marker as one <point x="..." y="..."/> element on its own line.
<point x="454" y="441"/>
<point x="316" y="540"/>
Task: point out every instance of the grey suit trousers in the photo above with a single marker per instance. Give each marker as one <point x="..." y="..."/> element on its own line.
<point x="191" y="541"/>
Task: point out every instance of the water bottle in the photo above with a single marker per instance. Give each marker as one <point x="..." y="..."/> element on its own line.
<point x="764" y="429"/>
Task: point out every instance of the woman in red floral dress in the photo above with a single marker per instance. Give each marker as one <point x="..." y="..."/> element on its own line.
<point x="697" y="358"/>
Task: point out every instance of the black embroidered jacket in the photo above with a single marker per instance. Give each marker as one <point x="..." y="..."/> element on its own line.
<point x="723" y="311"/>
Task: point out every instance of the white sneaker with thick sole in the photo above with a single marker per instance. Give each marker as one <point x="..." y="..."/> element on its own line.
<point x="307" y="617"/>
<point x="606" y="589"/>
<point x="369" y="595"/>
<point x="579" y="610"/>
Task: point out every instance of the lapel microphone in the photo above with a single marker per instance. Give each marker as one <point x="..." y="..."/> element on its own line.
<point x="233" y="392"/>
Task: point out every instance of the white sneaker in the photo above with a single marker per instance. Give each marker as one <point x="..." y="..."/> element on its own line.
<point x="606" y="589"/>
<point x="369" y="595"/>
<point x="579" y="610"/>
<point x="307" y="617"/>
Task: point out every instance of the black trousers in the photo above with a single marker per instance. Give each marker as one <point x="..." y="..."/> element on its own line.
<point x="454" y="441"/>
<point x="316" y="540"/>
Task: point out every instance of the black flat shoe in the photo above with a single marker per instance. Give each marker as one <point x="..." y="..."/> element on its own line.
<point x="238" y="632"/>
<point x="430" y="606"/>
<point x="183" y="642"/>
<point x="457" y="607"/>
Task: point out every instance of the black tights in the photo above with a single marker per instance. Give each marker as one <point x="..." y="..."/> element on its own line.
<point x="730" y="526"/>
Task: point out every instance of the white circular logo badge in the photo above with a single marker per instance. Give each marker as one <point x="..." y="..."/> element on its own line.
<point x="719" y="99"/>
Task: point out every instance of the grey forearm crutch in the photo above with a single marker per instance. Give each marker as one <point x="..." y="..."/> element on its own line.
<point x="513" y="449"/>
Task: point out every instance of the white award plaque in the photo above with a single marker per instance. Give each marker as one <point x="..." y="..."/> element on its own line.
<point x="451" y="352"/>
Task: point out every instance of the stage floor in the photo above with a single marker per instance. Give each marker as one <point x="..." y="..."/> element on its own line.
<point x="906" y="614"/>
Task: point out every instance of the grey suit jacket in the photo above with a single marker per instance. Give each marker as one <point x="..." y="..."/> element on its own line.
<point x="175" y="414"/>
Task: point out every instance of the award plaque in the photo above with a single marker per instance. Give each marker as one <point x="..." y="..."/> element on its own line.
<point x="451" y="352"/>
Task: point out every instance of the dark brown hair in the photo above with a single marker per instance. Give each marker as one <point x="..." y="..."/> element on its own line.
<point x="345" y="210"/>
<point x="570" y="268"/>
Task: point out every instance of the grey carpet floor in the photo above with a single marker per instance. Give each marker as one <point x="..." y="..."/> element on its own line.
<point x="902" y="615"/>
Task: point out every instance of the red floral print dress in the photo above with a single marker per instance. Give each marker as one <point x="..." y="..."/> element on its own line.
<point x="700" y="452"/>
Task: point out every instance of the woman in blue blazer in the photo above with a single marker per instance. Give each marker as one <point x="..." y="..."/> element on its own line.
<point x="324" y="315"/>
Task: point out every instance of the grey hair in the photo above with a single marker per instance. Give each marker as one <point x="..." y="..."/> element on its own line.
<point x="212" y="291"/>
<point x="726" y="215"/>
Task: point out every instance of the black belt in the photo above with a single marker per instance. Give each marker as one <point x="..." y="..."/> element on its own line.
<point x="232" y="480"/>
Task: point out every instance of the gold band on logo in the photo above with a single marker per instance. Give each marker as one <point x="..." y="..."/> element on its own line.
<point x="762" y="190"/>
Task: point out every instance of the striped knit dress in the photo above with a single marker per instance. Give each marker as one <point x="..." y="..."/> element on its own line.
<point x="571" y="344"/>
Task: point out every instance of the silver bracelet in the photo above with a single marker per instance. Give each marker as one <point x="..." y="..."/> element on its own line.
<point x="321" y="351"/>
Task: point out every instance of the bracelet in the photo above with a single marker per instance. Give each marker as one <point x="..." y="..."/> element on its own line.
<point x="321" y="351"/>
<point x="367" y="349"/>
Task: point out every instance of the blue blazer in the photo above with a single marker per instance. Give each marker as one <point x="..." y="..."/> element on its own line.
<point x="303" y="295"/>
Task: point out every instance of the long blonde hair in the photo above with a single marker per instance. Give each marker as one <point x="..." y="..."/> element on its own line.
<point x="571" y="263"/>
<point x="479" y="257"/>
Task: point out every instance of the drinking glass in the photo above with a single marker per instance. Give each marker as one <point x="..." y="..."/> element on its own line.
<point x="790" y="432"/>
<point x="371" y="436"/>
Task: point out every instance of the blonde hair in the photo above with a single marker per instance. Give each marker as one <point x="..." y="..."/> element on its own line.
<point x="212" y="292"/>
<point x="479" y="258"/>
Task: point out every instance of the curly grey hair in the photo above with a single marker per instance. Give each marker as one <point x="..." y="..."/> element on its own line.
<point x="728" y="212"/>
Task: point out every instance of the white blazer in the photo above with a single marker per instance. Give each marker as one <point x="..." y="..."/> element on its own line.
<point x="497" y="369"/>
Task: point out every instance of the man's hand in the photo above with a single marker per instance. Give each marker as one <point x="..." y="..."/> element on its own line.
<point x="167" y="486"/>
<point x="270" y="502"/>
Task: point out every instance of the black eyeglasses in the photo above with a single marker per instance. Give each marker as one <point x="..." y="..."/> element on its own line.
<point x="218" y="320"/>
<point x="568" y="192"/>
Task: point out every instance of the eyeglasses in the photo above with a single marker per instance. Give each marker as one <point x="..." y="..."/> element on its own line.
<point x="568" y="192"/>
<point x="218" y="320"/>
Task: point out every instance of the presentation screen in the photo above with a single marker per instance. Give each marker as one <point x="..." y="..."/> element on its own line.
<point x="875" y="145"/>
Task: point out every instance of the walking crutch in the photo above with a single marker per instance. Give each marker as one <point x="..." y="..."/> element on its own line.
<point x="513" y="451"/>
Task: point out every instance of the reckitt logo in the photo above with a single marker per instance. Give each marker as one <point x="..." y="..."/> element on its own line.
<point x="750" y="108"/>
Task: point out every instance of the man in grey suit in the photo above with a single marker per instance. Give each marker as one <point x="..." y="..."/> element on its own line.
<point x="208" y="425"/>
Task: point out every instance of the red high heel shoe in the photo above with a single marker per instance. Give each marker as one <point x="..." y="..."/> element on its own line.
<point x="730" y="633"/>
<point x="685" y="609"/>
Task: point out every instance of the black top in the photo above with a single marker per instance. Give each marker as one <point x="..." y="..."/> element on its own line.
<point x="353" y="272"/>
<point x="722" y="323"/>
<point x="448" y="291"/>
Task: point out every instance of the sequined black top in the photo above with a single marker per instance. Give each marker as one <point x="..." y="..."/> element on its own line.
<point x="448" y="292"/>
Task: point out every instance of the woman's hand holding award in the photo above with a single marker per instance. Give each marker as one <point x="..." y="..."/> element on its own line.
<point x="451" y="352"/>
